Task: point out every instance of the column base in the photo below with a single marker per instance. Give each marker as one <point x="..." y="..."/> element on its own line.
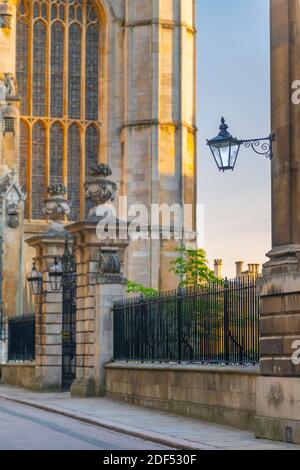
<point x="40" y="384"/>
<point x="83" y="388"/>
<point x="283" y="259"/>
<point x="278" y="409"/>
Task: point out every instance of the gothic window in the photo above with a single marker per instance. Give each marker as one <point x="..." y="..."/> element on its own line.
<point x="74" y="170"/>
<point x="39" y="68"/>
<point x="24" y="138"/>
<point x="56" y="152"/>
<point x="92" y="146"/>
<point x="57" y="69"/>
<point x="58" y="62"/>
<point x="92" y="45"/>
<point x="22" y="62"/>
<point x="38" y="175"/>
<point x="75" y="71"/>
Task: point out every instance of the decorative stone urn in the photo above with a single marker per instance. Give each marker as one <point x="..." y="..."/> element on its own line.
<point x="99" y="189"/>
<point x="57" y="207"/>
<point x="6" y="15"/>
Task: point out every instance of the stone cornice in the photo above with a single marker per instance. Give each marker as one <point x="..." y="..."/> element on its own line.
<point x="157" y="122"/>
<point x="162" y="23"/>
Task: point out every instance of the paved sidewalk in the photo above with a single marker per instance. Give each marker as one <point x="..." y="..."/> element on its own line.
<point x="156" y="426"/>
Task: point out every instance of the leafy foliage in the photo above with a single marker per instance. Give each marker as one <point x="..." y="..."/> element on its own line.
<point x="191" y="267"/>
<point x="133" y="287"/>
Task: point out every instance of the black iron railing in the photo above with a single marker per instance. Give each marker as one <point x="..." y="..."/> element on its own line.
<point x="21" y="339"/>
<point x="215" y="323"/>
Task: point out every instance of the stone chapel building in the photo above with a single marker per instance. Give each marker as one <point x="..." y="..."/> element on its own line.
<point x="87" y="81"/>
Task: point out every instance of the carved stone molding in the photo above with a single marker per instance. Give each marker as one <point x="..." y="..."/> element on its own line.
<point x="13" y="215"/>
<point x="109" y="262"/>
<point x="57" y="207"/>
<point x="98" y="188"/>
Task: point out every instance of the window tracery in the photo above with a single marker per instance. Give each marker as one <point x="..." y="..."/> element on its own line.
<point x="58" y="63"/>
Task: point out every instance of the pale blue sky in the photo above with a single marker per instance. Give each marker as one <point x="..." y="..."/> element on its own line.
<point x="234" y="81"/>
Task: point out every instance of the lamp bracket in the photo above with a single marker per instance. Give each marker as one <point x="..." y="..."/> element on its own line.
<point x="262" y="146"/>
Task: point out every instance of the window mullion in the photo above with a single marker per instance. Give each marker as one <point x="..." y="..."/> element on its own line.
<point x="30" y="59"/>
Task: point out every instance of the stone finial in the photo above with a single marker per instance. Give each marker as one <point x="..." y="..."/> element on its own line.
<point x="57" y="206"/>
<point x="98" y="188"/>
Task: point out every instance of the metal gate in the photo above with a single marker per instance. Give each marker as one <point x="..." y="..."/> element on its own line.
<point x="68" y="317"/>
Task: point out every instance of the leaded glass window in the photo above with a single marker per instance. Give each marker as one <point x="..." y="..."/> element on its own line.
<point x="56" y="152"/>
<point x="74" y="170"/>
<point x="24" y="139"/>
<point x="92" y="145"/>
<point x="39" y="68"/>
<point x="38" y="175"/>
<point x="57" y="69"/>
<point x="92" y="46"/>
<point x="22" y="62"/>
<point x="58" y="62"/>
<point x="75" y="71"/>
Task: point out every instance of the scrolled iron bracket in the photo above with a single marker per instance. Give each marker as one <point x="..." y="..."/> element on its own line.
<point x="263" y="146"/>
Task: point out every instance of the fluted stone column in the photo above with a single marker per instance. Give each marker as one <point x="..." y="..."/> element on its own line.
<point x="278" y="389"/>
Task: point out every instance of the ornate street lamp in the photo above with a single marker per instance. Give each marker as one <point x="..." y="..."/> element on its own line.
<point x="225" y="148"/>
<point x="35" y="280"/>
<point x="55" y="276"/>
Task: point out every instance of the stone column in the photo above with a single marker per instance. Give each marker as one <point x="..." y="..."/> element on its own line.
<point x="48" y="314"/>
<point x="159" y="133"/>
<point x="278" y="389"/>
<point x="98" y="283"/>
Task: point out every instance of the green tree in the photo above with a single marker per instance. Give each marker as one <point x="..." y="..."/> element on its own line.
<point x="133" y="287"/>
<point x="191" y="267"/>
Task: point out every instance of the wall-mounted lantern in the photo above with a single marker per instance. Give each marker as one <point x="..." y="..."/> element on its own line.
<point x="225" y="148"/>
<point x="35" y="279"/>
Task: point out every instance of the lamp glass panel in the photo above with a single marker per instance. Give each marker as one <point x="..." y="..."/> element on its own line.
<point x="234" y="154"/>
<point x="217" y="156"/>
<point x="55" y="281"/>
<point x="225" y="156"/>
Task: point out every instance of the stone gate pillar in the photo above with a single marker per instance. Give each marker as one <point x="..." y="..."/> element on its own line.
<point x="48" y="306"/>
<point x="48" y="314"/>
<point x="100" y="262"/>
<point x="278" y="388"/>
<point x="99" y="283"/>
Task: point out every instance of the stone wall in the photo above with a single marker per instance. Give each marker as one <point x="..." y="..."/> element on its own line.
<point x="224" y="395"/>
<point x="21" y="375"/>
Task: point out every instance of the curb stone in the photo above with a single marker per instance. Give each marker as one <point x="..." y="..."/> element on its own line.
<point x="178" y="444"/>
